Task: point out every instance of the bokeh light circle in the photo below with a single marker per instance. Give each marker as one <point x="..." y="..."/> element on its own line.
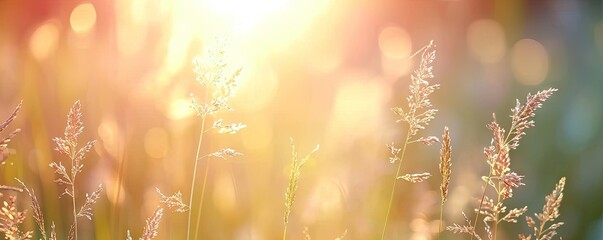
<point x="83" y="18"/>
<point x="486" y="41"/>
<point x="529" y="62"/>
<point x="44" y="40"/>
<point x="395" y="42"/>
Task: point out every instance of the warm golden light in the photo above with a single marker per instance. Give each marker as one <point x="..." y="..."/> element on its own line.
<point x="156" y="142"/>
<point x="180" y="108"/>
<point x="529" y="62"/>
<point x="259" y="91"/>
<point x="246" y="14"/>
<point x="83" y="18"/>
<point x="395" y="42"/>
<point x="110" y="137"/>
<point x="326" y="198"/>
<point x="131" y="27"/>
<point x="351" y="113"/>
<point x="486" y="40"/>
<point x="394" y="68"/>
<point x="44" y="40"/>
<point x="217" y="103"/>
<point x="112" y="189"/>
<point x="224" y="193"/>
<point x="259" y="136"/>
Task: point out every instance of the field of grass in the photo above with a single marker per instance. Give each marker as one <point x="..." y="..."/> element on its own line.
<point x="202" y="119"/>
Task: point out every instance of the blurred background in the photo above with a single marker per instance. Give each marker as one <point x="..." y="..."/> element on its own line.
<point x="320" y="71"/>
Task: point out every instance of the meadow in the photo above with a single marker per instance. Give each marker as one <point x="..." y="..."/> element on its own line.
<point x="290" y="120"/>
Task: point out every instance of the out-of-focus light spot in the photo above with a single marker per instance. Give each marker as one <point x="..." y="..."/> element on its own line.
<point x="177" y="49"/>
<point x="83" y="18"/>
<point x="420" y="229"/>
<point x="131" y="25"/>
<point x="224" y="193"/>
<point x="461" y="196"/>
<point x="259" y="133"/>
<point x="325" y="60"/>
<point x="246" y="14"/>
<point x="395" y="42"/>
<point x="81" y="41"/>
<point x="356" y="105"/>
<point x="130" y="40"/>
<point x="156" y="143"/>
<point x="529" y="62"/>
<point x="486" y="41"/>
<point x="137" y="10"/>
<point x="180" y="109"/>
<point x="258" y="87"/>
<point x="328" y="195"/>
<point x="395" y="68"/>
<point x="112" y="188"/>
<point x="250" y="232"/>
<point x="109" y="136"/>
<point x="44" y="40"/>
<point x="326" y="199"/>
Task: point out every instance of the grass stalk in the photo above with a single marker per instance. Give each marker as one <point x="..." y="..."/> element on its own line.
<point x="202" y="197"/>
<point x="441" y="220"/>
<point x="74" y="207"/>
<point x="391" y="198"/>
<point x="120" y="179"/>
<point x="190" y="201"/>
<point x="481" y="202"/>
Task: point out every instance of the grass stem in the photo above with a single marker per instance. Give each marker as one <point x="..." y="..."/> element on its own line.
<point x="74" y="209"/>
<point x="481" y="202"/>
<point x="202" y="197"/>
<point x="391" y="198"/>
<point x="190" y="201"/>
<point x="285" y="232"/>
<point x="441" y="219"/>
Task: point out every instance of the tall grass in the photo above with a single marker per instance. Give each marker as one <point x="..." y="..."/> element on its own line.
<point x="219" y="84"/>
<point x="294" y="175"/>
<point x="445" y="171"/>
<point x="214" y="74"/>
<point x="4" y="151"/>
<point x="550" y="213"/>
<point x="500" y="177"/>
<point x="68" y="146"/>
<point x="418" y="115"/>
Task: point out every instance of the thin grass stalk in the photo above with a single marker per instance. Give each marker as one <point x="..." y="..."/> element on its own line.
<point x="120" y="178"/>
<point x="441" y="218"/>
<point x="74" y="207"/>
<point x="496" y="219"/>
<point x="521" y="115"/>
<point x="391" y="198"/>
<point x="481" y="202"/>
<point x="202" y="197"/>
<point x="9" y="188"/>
<point x="190" y="201"/>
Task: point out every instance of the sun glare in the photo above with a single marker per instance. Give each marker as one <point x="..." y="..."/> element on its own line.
<point x="246" y="14"/>
<point x="273" y="23"/>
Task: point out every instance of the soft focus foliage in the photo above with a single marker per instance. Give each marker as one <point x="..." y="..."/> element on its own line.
<point x="323" y="72"/>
